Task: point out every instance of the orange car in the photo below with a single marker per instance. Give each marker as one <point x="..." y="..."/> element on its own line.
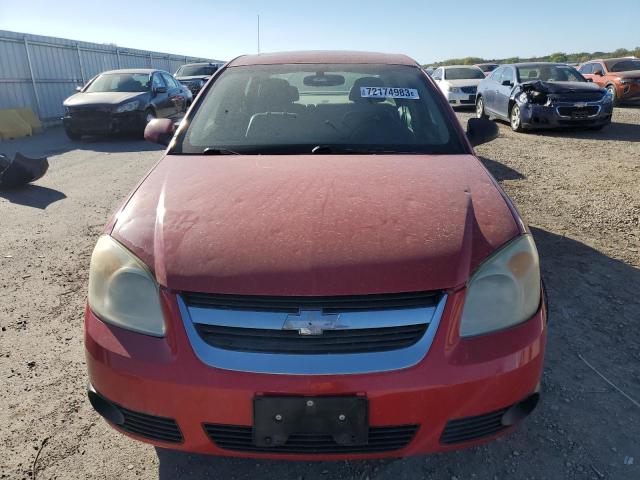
<point x="621" y="76"/>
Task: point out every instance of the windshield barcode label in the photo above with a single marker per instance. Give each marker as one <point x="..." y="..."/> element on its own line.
<point x="389" y="92"/>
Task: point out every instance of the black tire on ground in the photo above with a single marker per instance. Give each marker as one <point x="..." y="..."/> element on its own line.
<point x="75" y="136"/>
<point x="598" y="127"/>
<point x="515" y="120"/>
<point x="480" y="113"/>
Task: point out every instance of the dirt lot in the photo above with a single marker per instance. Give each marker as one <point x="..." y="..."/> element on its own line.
<point x="580" y="192"/>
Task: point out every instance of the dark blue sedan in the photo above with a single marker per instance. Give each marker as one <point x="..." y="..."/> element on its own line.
<point x="543" y="95"/>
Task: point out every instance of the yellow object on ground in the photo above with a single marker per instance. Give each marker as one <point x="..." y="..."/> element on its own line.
<point x="13" y="126"/>
<point x="31" y="118"/>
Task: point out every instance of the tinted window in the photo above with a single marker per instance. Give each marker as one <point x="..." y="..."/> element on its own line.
<point x="507" y="75"/>
<point x="196" y="70"/>
<point x="157" y="81"/>
<point x="623" y="65"/>
<point x="497" y="74"/>
<point x="120" y="82"/>
<point x="549" y="73"/>
<point x="341" y="107"/>
<point x="587" y="68"/>
<point x="168" y="79"/>
<point x="463" y="73"/>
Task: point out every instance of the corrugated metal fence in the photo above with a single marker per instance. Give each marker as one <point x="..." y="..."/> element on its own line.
<point x="40" y="72"/>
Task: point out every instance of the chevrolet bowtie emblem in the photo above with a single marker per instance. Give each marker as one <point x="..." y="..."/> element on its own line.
<point x="311" y="322"/>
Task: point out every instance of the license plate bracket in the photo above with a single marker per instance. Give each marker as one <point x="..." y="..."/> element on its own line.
<point x="275" y="418"/>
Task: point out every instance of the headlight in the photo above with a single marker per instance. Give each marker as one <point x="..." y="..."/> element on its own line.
<point x="454" y="89"/>
<point x="504" y="291"/>
<point x="128" y="107"/>
<point x="608" y="96"/>
<point x="122" y="290"/>
<point x="523" y="98"/>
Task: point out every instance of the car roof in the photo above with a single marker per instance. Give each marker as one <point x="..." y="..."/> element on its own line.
<point x="533" y="64"/>
<point x="460" y="66"/>
<point x="199" y="63"/>
<point x="323" y="56"/>
<point x="134" y="70"/>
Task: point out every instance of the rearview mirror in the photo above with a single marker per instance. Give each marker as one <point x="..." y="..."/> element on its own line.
<point x="78" y="88"/>
<point x="598" y="72"/>
<point x="157" y="90"/>
<point x="159" y="130"/>
<point x="507" y="83"/>
<point x="480" y="130"/>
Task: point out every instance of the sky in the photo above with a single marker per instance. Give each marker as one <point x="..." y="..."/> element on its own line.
<point x="426" y="30"/>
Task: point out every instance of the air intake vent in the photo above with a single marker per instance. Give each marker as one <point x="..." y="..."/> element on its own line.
<point x="381" y="439"/>
<point x="149" y="426"/>
<point x="337" y="304"/>
<point x="471" y="428"/>
<point x="330" y="341"/>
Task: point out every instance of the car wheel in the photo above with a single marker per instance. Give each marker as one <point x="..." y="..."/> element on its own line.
<point x="612" y="90"/>
<point x="480" y="108"/>
<point x="515" y="119"/>
<point x="72" y="135"/>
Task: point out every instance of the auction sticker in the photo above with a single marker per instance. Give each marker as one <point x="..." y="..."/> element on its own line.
<point x="389" y="92"/>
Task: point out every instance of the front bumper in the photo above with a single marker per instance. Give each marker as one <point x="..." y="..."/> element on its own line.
<point x="457" y="379"/>
<point x="553" y="116"/>
<point x="103" y="122"/>
<point x="461" y="99"/>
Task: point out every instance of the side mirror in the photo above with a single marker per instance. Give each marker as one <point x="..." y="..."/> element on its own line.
<point x="78" y="88"/>
<point x="159" y="130"/>
<point x="507" y="83"/>
<point x="480" y="130"/>
<point x="598" y="72"/>
<point x="589" y="80"/>
<point x="157" y="90"/>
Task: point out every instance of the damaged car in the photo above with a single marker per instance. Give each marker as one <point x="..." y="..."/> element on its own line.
<point x="543" y="95"/>
<point x="319" y="267"/>
<point x="124" y="101"/>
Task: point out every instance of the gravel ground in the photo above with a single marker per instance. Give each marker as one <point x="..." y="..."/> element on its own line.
<point x="579" y="191"/>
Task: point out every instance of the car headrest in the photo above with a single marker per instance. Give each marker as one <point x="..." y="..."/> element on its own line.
<point x="354" y="94"/>
<point x="278" y="91"/>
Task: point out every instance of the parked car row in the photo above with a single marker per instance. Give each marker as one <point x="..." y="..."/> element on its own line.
<point x="127" y="100"/>
<point x="542" y="94"/>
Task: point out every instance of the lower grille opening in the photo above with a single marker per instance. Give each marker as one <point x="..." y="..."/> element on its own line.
<point x="161" y="429"/>
<point x="381" y="439"/>
<point x="472" y="428"/>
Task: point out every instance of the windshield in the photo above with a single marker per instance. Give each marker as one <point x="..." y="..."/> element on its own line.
<point x="489" y="67"/>
<point x="338" y="108"/>
<point x="623" y="65"/>
<point x="462" y="73"/>
<point x="196" y="70"/>
<point x="549" y="73"/>
<point x="120" y="82"/>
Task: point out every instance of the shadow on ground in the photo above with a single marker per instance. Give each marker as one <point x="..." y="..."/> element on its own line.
<point x="53" y="141"/>
<point x="34" y="196"/>
<point x="593" y="305"/>
<point x="500" y="171"/>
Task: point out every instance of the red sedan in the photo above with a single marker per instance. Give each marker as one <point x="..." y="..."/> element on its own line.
<point x="318" y="268"/>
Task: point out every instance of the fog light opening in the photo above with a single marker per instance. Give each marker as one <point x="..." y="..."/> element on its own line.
<point x="104" y="407"/>
<point x="520" y="410"/>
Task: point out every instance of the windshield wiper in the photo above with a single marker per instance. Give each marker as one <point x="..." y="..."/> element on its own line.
<point x="218" y="151"/>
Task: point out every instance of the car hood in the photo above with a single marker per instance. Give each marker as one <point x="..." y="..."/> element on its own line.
<point x="315" y="225"/>
<point x="470" y="82"/>
<point x="101" y="98"/>
<point x="560" y="87"/>
<point x="629" y="74"/>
